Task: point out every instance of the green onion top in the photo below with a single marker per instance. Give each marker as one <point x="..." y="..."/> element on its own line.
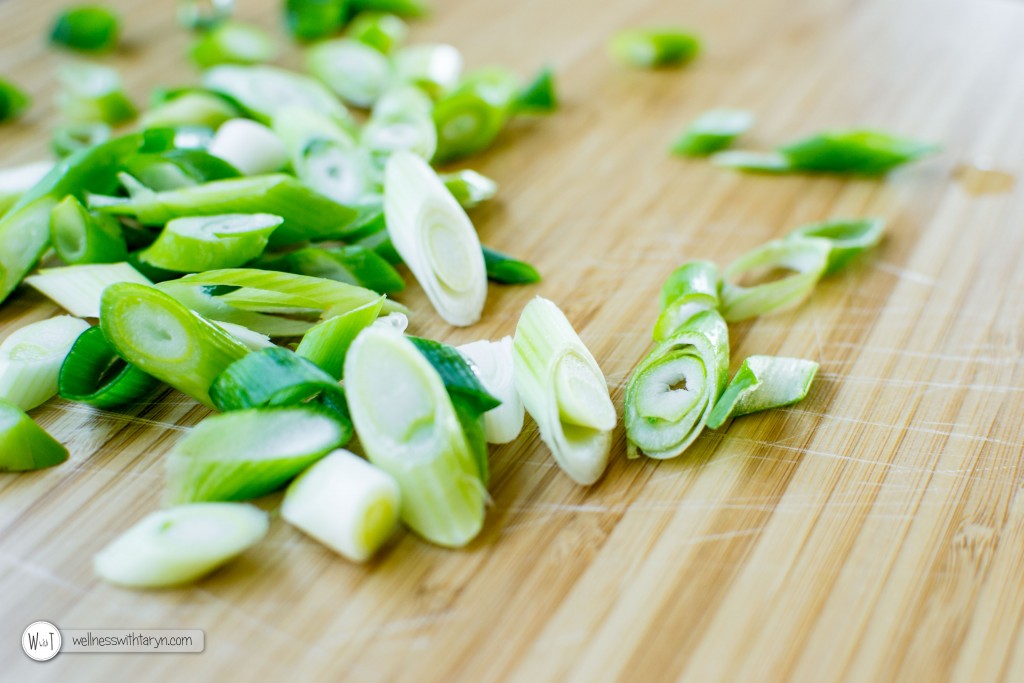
<point x="654" y="47"/>
<point x="538" y="96"/>
<point x="90" y="28"/>
<point x="384" y="32"/>
<point x="13" y="101"/>
<point x="713" y="131"/>
<point x="313" y="19"/>
<point x="856" y="152"/>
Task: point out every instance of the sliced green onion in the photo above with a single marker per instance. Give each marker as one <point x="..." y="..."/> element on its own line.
<point x="24" y="445"/>
<point x="469" y="118"/>
<point x="409" y="428"/>
<point x="405" y="8"/>
<point x="469" y="188"/>
<point x="13" y="101"/>
<point x="87" y="28"/>
<point x="328" y="342"/>
<point x="192" y="245"/>
<point x="402" y="119"/>
<point x="564" y="391"/>
<point x="345" y="503"/>
<point x="354" y="264"/>
<point x="245" y="454"/>
<point x="78" y="136"/>
<point x="713" y="131"/>
<point x="93" y="373"/>
<point x="180" y="545"/>
<point x="647" y="48"/>
<point x="190" y="109"/>
<point x="492" y="362"/>
<point x="434" y="68"/>
<point x="313" y="19"/>
<point x="264" y="90"/>
<point x="507" y="270"/>
<point x="78" y="289"/>
<point x="435" y="238"/>
<point x="356" y="72"/>
<point x="90" y="92"/>
<point x="858" y="152"/>
<point x="382" y="32"/>
<point x="201" y="15"/>
<point x="753" y="162"/>
<point x="30" y="360"/>
<point x="691" y="289"/>
<point x="82" y="237"/>
<point x="803" y="261"/>
<point x="848" y="238"/>
<point x="232" y="43"/>
<point x="670" y="395"/>
<point x="152" y="331"/>
<point x="206" y="301"/>
<point x="761" y="383"/>
<point x="16" y="181"/>
<point x="253" y="340"/>
<point x="249" y="146"/>
<point x="538" y="96"/>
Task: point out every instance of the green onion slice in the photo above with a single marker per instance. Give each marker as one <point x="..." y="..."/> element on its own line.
<point x="264" y="90"/>
<point x="848" y="238"/>
<point x="647" y="48"/>
<point x="405" y="8"/>
<point x="538" y="96"/>
<point x="469" y="188"/>
<point x="691" y="289"/>
<point x="433" y="68"/>
<point x="90" y="28"/>
<point x="802" y="261"/>
<point x="383" y="32"/>
<point x="192" y="245"/>
<point x="327" y="343"/>
<point x="713" y="131"/>
<point x="354" y="71"/>
<point x="94" y="373"/>
<point x="753" y="162"/>
<point x="232" y="43"/>
<point x="492" y="362"/>
<point x="24" y="445"/>
<point x="761" y="383"/>
<point x="402" y="119"/>
<point x="82" y="237"/>
<point x="202" y="15"/>
<point x="249" y="146"/>
<point x="564" y="391"/>
<point x="354" y="264"/>
<point x="207" y="301"/>
<point x="507" y="270"/>
<point x="469" y="118"/>
<point x="30" y="359"/>
<point x="190" y="109"/>
<point x="857" y="152"/>
<point x="78" y="136"/>
<point x="93" y="93"/>
<point x="314" y="19"/>
<point x="13" y="101"/>
<point x="78" y="289"/>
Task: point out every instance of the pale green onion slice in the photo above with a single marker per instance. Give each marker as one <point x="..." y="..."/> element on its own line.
<point x="264" y="90"/>
<point x="90" y="92"/>
<point x="352" y="264"/>
<point x="848" y="238"/>
<point x="205" y="301"/>
<point x="434" y="68"/>
<point x="78" y="289"/>
<point x="354" y="71"/>
<point x="253" y="340"/>
<point x="691" y="289"/>
<point x="435" y="238"/>
<point x="190" y="109"/>
<point x="192" y="245"/>
<point x="564" y="391"/>
<point x="180" y="545"/>
<point x="857" y="152"/>
<point x="405" y="8"/>
<point x="469" y="118"/>
<point x="753" y="162"/>
<point x="155" y="333"/>
<point x="201" y="15"/>
<point x="802" y="261"/>
<point x="16" y="181"/>
<point x="345" y="503"/>
<point x="671" y="393"/>
<point x="314" y="19"/>
<point x="13" y="101"/>
<point x="232" y="43"/>
<point x="249" y="146"/>
<point x="713" y="131"/>
<point x="328" y="342"/>
<point x="30" y="359"/>
<point x="79" y="236"/>
<point x="383" y="32"/>
<point x="402" y="119"/>
<point x="647" y="48"/>
<point x="78" y="136"/>
<point x="89" y="28"/>
<point x="761" y="383"/>
<point x="492" y="362"/>
<point x="24" y="445"/>
<point x="469" y="188"/>
<point x="538" y="96"/>
<point x="409" y="428"/>
<point x="93" y="373"/>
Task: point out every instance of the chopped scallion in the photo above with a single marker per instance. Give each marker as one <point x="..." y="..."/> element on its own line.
<point x="713" y="131"/>
<point x="691" y="289"/>
<point x="761" y="383"/>
<point x="78" y="136"/>
<point x="93" y="373"/>
<point x="469" y="118"/>
<point x="648" y="48"/>
<point x="383" y="32"/>
<point x="249" y="146"/>
<point x="264" y="90"/>
<point x="93" y="93"/>
<point x="507" y="270"/>
<point x="492" y="362"/>
<point x="469" y="188"/>
<point x="30" y="360"/>
<point x="857" y="152"/>
<point x="24" y="445"/>
<point x="402" y="119"/>
<point x="328" y="342"/>
<point x="354" y="71"/>
<point x="538" y="96"/>
<point x="90" y="28"/>
<point x="13" y="101"/>
<point x="353" y="264"/>
<point x="79" y="236"/>
<point x="314" y="19"/>
<point x="78" y="289"/>
<point x="190" y="109"/>
<point x="433" y="67"/>
<point x="232" y="43"/>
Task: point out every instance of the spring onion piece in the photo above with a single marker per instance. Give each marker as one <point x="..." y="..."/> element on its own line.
<point x="691" y="289"/>
<point x="77" y="289"/>
<point x="16" y="181"/>
<point x="264" y="90"/>
<point x="848" y="238"/>
<point x="232" y="43"/>
<point x="201" y="15"/>
<point x="354" y="264"/>
<point x="435" y="238"/>
<point x="192" y="245"/>
<point x="180" y="545"/>
<point x="90" y="93"/>
<point x="93" y="373"/>
<point x="434" y="68"/>
<point x="152" y="331"/>
<point x="313" y="19"/>
<point x="78" y="136"/>
<point x="253" y="340"/>
<point x="13" y="101"/>
<point x="345" y="503"/>
<point x="492" y="362"/>
<point x="82" y="237"/>
<point x="469" y="118"/>
<point x="538" y="96"/>
<point x="190" y="109"/>
<point x="405" y="8"/>
<point x="713" y="131"/>
<point x="402" y="119"/>
<point x="802" y="261"/>
<point x="356" y="72"/>
<point x="176" y="169"/>
<point x="24" y="445"/>
<point x="507" y="270"/>
<point x="469" y="188"/>
<point x="761" y="383"/>
<point x="858" y="152"/>
<point x="87" y="28"/>
<point x="409" y="428"/>
<point x="647" y="48"/>
<point x="249" y="146"/>
<point x="30" y="360"/>
<point x="753" y="162"/>
<point x="564" y="391"/>
<point x="245" y="454"/>
<point x="382" y="32"/>
<point x="670" y="395"/>
<point x="207" y="302"/>
<point x="328" y="342"/>
<point x="307" y="214"/>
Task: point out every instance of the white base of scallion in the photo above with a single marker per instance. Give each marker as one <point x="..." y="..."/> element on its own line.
<point x="492" y="361"/>
<point x="250" y="147"/>
<point x="30" y="360"/>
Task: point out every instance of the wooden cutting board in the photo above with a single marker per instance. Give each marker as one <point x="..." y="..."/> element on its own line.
<point x="874" y="532"/>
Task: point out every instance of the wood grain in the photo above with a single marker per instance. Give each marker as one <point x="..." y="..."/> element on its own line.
<point x="874" y="532"/>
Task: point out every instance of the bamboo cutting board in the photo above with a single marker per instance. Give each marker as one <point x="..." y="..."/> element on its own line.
<point x="874" y="532"/>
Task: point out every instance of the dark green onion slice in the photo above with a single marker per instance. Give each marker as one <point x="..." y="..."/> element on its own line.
<point x="713" y="131"/>
<point x="353" y="264"/>
<point x="91" y="93"/>
<point x="262" y="91"/>
<point x="82" y="237"/>
<point x="469" y="188"/>
<point x="354" y="71"/>
<point x="507" y="270"/>
<point x="538" y="96"/>
<point x="24" y="445"/>
<point x="190" y="109"/>
<point x="761" y="383"/>
<point x="691" y="289"/>
<point x="314" y="19"/>
<point x="88" y="28"/>
<point x="78" y="136"/>
<point x="13" y="101"/>
<point x="94" y="373"/>
<point x="855" y="152"/>
<point x="381" y="31"/>
<point x="849" y="238"/>
<point x="654" y="47"/>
